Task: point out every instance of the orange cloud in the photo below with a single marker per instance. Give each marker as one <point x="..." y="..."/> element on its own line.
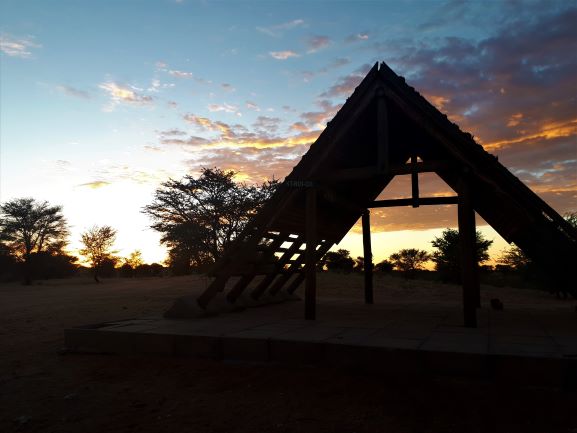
<point x="547" y="132"/>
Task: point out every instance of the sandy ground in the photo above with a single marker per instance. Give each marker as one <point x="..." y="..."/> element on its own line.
<point x="44" y="390"/>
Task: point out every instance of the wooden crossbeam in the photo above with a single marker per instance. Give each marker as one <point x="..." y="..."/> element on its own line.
<point x="422" y="201"/>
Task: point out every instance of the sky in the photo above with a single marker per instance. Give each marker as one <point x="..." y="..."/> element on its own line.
<point x="100" y="102"/>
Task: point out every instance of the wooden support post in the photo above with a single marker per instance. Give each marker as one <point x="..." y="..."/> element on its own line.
<point x="382" y="132"/>
<point x="467" y="239"/>
<point x="368" y="257"/>
<point x="415" y="181"/>
<point x="310" y="255"/>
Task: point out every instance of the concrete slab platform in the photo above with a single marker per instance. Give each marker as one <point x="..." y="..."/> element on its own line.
<point x="521" y="346"/>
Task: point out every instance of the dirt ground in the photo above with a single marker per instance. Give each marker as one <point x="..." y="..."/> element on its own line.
<point x="43" y="389"/>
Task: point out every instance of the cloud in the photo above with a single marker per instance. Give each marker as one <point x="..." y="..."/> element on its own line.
<point x="156" y="86"/>
<point x="514" y="91"/>
<point x="334" y="64"/>
<point x="283" y="55"/>
<point x="95" y="184"/>
<point x="252" y="106"/>
<point x="217" y="134"/>
<point x="173" y="132"/>
<point x="180" y="74"/>
<point x="227" y="108"/>
<point x="228" y="87"/>
<point x="278" y="29"/>
<point x="120" y="94"/>
<point x="357" y="37"/>
<point x="267" y="124"/>
<point x="485" y="85"/>
<point x="347" y="84"/>
<point x="318" y="119"/>
<point x="299" y="127"/>
<point x="72" y="91"/>
<point x="316" y="43"/>
<point x="17" y="47"/>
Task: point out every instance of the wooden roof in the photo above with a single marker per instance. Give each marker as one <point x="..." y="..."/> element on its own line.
<point x="381" y="126"/>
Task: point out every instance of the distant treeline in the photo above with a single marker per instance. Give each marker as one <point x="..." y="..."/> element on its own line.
<point x="197" y="218"/>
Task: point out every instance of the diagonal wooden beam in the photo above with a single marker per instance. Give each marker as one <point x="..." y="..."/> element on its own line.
<point x="245" y="280"/>
<point x="322" y="250"/>
<point x="269" y="278"/>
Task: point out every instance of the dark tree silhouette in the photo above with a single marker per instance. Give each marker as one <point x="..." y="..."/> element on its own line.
<point x="409" y="260"/>
<point x="447" y="256"/>
<point x="384" y="266"/>
<point x="198" y="217"/>
<point x="29" y="227"/>
<point x="339" y="260"/>
<point x="513" y="259"/>
<point x="98" y="242"/>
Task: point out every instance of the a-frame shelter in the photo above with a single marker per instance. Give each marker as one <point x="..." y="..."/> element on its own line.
<point x="385" y="129"/>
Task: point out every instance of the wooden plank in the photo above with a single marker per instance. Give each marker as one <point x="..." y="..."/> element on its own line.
<point x="423" y="201"/>
<point x="310" y="256"/>
<point x="415" y="181"/>
<point x="264" y="284"/>
<point x="245" y="280"/>
<point x="296" y="283"/>
<point x="216" y="286"/>
<point x="321" y="251"/>
<point x="368" y="257"/>
<point x="466" y="218"/>
<point x="296" y="267"/>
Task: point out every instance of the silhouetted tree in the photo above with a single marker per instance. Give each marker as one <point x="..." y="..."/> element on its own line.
<point x="513" y="259"/>
<point x="409" y="260"/>
<point x="28" y="227"/>
<point x="384" y="266"/>
<point x="447" y="256"/>
<point x="98" y="242"/>
<point x="359" y="264"/>
<point x="8" y="263"/>
<point x="130" y="264"/>
<point x="339" y="260"/>
<point x="198" y="217"/>
<point x="134" y="260"/>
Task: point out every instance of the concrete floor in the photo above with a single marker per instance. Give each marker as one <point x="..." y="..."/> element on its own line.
<point x="515" y="345"/>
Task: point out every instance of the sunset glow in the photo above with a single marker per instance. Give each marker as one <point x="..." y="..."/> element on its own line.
<point x="101" y="102"/>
